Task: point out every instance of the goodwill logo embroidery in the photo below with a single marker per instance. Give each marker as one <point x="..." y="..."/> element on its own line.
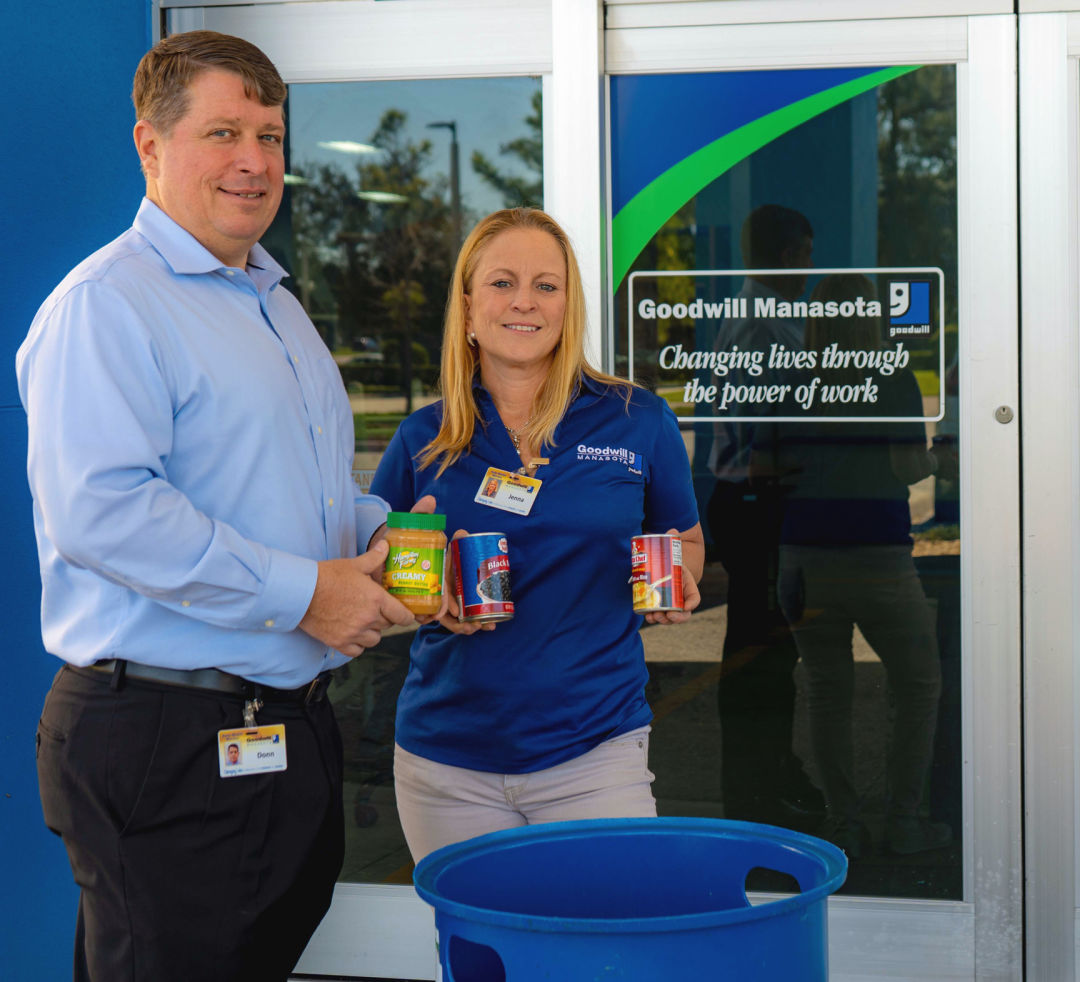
<point x="619" y="455"/>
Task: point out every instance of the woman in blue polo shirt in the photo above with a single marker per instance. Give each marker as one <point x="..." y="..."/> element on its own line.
<point x="543" y="717"/>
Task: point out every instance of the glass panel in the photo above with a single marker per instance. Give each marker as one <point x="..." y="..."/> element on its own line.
<point x="384" y="178"/>
<point x="821" y="419"/>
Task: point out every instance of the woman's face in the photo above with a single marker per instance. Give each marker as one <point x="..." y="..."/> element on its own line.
<point x="517" y="299"/>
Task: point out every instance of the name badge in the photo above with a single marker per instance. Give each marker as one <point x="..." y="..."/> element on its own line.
<point x="508" y="491"/>
<point x="251" y="751"/>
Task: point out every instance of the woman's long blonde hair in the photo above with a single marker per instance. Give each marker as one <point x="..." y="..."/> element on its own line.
<point x="460" y="360"/>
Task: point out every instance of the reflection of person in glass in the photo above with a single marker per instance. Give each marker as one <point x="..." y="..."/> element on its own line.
<point x="763" y="779"/>
<point x="846" y="561"/>
<point x="543" y="717"/>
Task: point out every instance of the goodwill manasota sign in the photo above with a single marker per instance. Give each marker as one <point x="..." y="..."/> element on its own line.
<point x="790" y="344"/>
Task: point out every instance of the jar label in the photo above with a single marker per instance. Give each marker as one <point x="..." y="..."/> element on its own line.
<point x="413" y="572"/>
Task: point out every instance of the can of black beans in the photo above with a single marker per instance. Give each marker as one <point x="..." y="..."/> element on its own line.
<point x="656" y="573"/>
<point x="481" y="570"/>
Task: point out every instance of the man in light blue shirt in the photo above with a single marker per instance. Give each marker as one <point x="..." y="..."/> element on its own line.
<point x="206" y="557"/>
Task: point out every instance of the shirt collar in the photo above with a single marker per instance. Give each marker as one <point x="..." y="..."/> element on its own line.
<point x="184" y="253"/>
<point x="595" y="386"/>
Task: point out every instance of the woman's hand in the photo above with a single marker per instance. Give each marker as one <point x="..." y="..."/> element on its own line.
<point x="693" y="554"/>
<point x="448" y="616"/>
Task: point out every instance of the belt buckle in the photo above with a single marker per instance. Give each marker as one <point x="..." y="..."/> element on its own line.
<point x="315" y="690"/>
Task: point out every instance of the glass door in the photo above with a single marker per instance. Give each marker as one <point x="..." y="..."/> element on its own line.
<point x="895" y="140"/>
<point x="812" y="248"/>
<point x="406" y="123"/>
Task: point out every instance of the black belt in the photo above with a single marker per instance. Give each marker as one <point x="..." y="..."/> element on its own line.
<point x="210" y="679"/>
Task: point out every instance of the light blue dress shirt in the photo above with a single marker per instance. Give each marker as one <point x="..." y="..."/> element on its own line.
<point x="190" y="460"/>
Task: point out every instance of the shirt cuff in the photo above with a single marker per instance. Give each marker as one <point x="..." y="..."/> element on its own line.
<point x="287" y="593"/>
<point x="371" y="512"/>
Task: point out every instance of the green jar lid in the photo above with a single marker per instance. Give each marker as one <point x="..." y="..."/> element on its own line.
<point x="414" y="520"/>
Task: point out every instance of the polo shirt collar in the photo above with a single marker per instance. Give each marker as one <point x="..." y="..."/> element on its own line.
<point x="595" y="386"/>
<point x="184" y="253"/>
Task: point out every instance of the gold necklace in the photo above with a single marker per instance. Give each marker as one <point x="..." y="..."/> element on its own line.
<point x="515" y="439"/>
<point x="515" y="435"/>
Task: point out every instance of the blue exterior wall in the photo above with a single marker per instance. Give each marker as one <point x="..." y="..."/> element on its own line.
<point x="69" y="182"/>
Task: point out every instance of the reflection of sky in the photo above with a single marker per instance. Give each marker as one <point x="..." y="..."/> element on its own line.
<point x="488" y="111"/>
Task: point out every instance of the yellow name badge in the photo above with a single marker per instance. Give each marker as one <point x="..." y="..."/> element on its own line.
<point x="508" y="491"/>
<point x="254" y="750"/>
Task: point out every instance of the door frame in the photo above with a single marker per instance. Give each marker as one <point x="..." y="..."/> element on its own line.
<point x="1049" y="66"/>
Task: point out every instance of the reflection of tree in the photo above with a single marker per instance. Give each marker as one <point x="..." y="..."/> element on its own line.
<point x="672" y="248"/>
<point x="675" y="247"/>
<point x="529" y="150"/>
<point x="917" y="173"/>
<point x="375" y="269"/>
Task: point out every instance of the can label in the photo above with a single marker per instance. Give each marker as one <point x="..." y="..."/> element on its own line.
<point x="656" y="573"/>
<point x="481" y="568"/>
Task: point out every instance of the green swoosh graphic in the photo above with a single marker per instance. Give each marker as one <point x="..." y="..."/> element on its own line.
<point x="644" y="214"/>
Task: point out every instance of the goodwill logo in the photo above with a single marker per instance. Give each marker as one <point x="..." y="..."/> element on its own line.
<point x="618" y="454"/>
<point x="909" y="307"/>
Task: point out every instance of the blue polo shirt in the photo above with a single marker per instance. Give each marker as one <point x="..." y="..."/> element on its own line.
<point x="568" y="672"/>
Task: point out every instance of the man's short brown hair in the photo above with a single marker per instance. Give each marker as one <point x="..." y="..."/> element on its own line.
<point x="160" y="92"/>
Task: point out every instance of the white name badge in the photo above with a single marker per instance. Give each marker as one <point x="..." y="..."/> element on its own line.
<point x="508" y="491"/>
<point x="253" y="750"/>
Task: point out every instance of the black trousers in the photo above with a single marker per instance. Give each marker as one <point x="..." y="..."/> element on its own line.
<point x="757" y="691"/>
<point x="186" y="875"/>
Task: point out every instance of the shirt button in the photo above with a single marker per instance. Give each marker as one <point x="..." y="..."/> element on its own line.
<point x="269" y="623"/>
<point x="185" y="603"/>
<point x="331" y="502"/>
<point x="230" y="272"/>
<point x="318" y="429"/>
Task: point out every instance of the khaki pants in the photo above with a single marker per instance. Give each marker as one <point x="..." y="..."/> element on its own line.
<point x="439" y="804"/>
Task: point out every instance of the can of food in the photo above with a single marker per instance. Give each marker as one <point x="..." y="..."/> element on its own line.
<point x="481" y="569"/>
<point x="656" y="573"/>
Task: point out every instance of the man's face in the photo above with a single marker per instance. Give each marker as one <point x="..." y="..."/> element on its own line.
<point x="221" y="171"/>
<point x="234" y="753"/>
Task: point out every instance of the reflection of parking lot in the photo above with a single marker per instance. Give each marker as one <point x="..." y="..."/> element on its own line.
<point x="363" y="402"/>
<point x="684" y="667"/>
<point x="365" y="696"/>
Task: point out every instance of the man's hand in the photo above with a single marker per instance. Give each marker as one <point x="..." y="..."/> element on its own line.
<point x="349" y="608"/>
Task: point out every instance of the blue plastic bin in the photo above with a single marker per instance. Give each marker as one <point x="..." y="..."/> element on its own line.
<point x="638" y="900"/>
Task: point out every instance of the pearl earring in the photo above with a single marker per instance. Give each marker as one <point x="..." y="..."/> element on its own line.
<point x="471" y="338"/>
